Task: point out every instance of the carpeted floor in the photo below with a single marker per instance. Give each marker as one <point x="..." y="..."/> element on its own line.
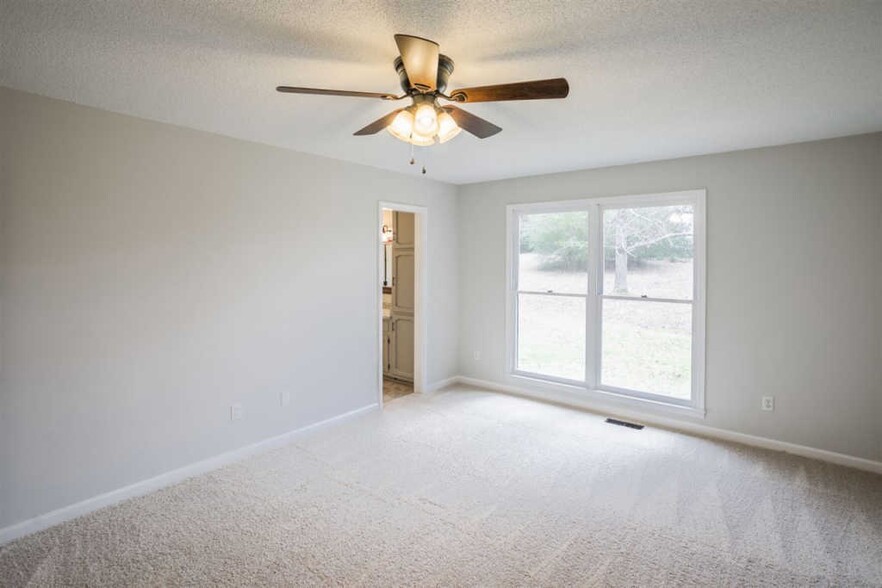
<point x="467" y="487"/>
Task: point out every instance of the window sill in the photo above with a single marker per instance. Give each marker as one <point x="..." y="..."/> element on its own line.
<point x="597" y="399"/>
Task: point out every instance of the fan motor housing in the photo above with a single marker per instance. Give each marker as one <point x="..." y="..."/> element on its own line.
<point x="445" y="68"/>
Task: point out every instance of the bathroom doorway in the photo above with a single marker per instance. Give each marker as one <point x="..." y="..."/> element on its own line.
<point x="401" y="279"/>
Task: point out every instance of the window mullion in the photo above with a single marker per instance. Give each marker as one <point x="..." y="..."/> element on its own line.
<point x="595" y="283"/>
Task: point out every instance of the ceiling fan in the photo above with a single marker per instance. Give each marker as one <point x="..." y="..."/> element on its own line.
<point x="423" y="72"/>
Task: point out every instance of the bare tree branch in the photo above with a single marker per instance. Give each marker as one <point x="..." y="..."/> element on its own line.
<point x="631" y="248"/>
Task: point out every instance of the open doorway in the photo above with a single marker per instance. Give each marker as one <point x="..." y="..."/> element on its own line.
<point x="401" y="277"/>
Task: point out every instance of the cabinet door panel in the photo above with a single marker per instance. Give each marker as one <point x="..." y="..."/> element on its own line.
<point x="403" y="231"/>
<point x="402" y="347"/>
<point x="402" y="289"/>
<point x="387" y="341"/>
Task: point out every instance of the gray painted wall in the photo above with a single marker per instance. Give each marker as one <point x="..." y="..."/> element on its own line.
<point x="794" y="287"/>
<point x="152" y="275"/>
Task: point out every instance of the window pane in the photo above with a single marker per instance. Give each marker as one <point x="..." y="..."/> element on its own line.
<point x="648" y="251"/>
<point x="553" y="252"/>
<point x="647" y="346"/>
<point x="551" y="335"/>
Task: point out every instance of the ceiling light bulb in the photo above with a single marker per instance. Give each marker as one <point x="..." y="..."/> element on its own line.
<point x="426" y="120"/>
<point x="402" y="126"/>
<point x="447" y="127"/>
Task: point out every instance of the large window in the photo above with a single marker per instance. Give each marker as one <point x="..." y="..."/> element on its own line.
<point x="608" y="295"/>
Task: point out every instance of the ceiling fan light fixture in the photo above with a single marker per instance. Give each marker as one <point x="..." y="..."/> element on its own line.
<point x="435" y="124"/>
<point x="447" y="127"/>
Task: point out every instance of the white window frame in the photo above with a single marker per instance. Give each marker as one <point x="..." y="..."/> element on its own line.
<point x="592" y="386"/>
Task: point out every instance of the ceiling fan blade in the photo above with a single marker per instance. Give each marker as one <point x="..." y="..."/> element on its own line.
<point x="379" y="124"/>
<point x="293" y="90"/>
<point x="420" y="58"/>
<point x="474" y="124"/>
<point x="537" y="90"/>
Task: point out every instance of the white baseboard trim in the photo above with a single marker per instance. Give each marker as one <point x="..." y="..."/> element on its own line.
<point x="435" y="386"/>
<point x="143" y="487"/>
<point x="680" y="425"/>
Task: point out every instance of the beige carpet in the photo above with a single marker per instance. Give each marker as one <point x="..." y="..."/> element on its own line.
<point x="466" y="488"/>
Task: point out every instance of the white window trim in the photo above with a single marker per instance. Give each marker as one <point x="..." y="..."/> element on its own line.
<point x="591" y="388"/>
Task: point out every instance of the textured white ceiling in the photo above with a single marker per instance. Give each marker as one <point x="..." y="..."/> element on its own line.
<point x="649" y="80"/>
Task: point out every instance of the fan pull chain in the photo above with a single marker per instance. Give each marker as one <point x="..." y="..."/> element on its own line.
<point x="413" y="159"/>
<point x="426" y="151"/>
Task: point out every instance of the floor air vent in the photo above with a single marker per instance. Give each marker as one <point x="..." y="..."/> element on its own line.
<point x="624" y="424"/>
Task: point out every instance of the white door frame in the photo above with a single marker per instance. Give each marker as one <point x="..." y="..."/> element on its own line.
<point x="420" y="287"/>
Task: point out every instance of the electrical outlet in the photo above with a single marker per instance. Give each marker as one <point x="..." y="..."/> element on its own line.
<point x="285" y="398"/>
<point x="236" y="412"/>
<point x="477" y="355"/>
<point x="768" y="403"/>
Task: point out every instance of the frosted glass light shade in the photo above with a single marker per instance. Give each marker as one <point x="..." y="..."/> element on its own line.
<point x="425" y="120"/>
<point x="447" y="127"/>
<point x="402" y="126"/>
<point x="420" y="127"/>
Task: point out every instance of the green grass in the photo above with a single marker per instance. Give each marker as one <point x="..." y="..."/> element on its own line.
<point x="647" y="346"/>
